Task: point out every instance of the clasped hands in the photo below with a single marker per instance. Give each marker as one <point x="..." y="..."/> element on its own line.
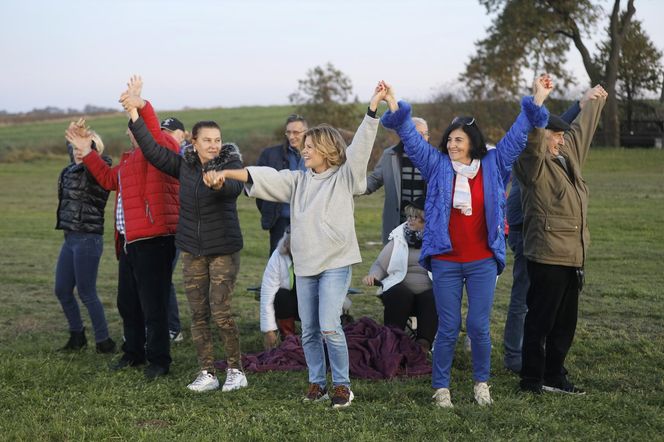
<point x="214" y="179"/>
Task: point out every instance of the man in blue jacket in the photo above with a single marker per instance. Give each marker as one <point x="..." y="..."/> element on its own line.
<point x="275" y="217"/>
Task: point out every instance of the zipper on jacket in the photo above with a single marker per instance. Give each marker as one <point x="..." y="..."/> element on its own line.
<point x="198" y="214"/>
<point x="148" y="214"/>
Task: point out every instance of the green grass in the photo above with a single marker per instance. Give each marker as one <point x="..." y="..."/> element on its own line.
<point x="618" y="354"/>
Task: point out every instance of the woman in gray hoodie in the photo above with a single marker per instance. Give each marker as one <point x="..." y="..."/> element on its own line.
<point x="323" y="240"/>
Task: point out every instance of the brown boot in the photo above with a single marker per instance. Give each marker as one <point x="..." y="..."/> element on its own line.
<point x="286" y="327"/>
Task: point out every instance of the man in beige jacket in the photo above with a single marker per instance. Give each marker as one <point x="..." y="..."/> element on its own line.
<point x="555" y="227"/>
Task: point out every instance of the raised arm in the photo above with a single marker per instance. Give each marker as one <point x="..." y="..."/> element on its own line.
<point x="359" y="151"/>
<point x="81" y="138"/>
<point x="578" y="139"/>
<point x="425" y="157"/>
<point x="533" y="115"/>
<point x="160" y="157"/>
<point x="145" y="110"/>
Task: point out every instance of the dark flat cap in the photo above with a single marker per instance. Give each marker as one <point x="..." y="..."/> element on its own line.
<point x="557" y="124"/>
<point x="418" y="203"/>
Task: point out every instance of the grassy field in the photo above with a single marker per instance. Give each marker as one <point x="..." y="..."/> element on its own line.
<point x="242" y="125"/>
<point x="618" y="354"/>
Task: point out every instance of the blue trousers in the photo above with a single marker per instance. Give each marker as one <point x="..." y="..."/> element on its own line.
<point x="77" y="267"/>
<point x="516" y="312"/>
<point x="320" y="300"/>
<point x="449" y="278"/>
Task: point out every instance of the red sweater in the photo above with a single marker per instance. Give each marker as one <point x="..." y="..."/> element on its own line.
<point x="469" y="233"/>
<point x="149" y="197"/>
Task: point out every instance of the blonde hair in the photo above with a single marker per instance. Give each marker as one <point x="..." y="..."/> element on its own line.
<point x="411" y="210"/>
<point x="99" y="144"/>
<point x="328" y="142"/>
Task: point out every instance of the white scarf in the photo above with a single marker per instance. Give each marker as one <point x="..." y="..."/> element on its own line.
<point x="462" y="199"/>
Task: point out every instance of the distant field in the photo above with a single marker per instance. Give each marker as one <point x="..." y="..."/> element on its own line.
<point x="243" y="125"/>
<point x="617" y="356"/>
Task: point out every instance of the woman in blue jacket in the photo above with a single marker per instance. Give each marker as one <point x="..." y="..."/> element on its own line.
<point x="464" y="242"/>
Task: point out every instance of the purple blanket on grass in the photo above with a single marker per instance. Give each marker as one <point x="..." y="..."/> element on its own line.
<point x="375" y="352"/>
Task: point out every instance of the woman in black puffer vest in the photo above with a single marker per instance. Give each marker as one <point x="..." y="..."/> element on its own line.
<point x="81" y="204"/>
<point x="210" y="239"/>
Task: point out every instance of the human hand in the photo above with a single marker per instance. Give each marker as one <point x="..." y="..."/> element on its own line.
<point x="542" y="87"/>
<point x="593" y="94"/>
<point x="80" y="137"/>
<point x="369" y="280"/>
<point x="135" y="85"/>
<point x="269" y="340"/>
<point x="214" y="179"/>
<point x="379" y="95"/>
<point x="390" y="97"/>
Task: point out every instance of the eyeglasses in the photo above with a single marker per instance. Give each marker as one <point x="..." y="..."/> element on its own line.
<point x="468" y="121"/>
<point x="295" y="133"/>
<point x="415" y="217"/>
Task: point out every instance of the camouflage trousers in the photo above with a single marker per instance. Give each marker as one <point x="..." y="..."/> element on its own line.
<point x="208" y="283"/>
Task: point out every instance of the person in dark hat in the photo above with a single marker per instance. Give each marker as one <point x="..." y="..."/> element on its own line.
<point x="405" y="286"/>
<point x="516" y="311"/>
<point x="555" y="236"/>
<point x="175" y="128"/>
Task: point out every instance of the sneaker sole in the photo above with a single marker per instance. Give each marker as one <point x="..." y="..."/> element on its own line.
<point x="203" y="390"/>
<point x="235" y="387"/>
<point x="559" y="390"/>
<point x="347" y="404"/>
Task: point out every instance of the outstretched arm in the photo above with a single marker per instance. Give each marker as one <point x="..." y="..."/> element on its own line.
<point x="533" y="115"/>
<point x="578" y="139"/>
<point x="81" y="138"/>
<point x="425" y="157"/>
<point x="132" y="98"/>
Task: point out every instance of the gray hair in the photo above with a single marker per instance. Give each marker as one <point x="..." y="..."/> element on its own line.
<point x="422" y="121"/>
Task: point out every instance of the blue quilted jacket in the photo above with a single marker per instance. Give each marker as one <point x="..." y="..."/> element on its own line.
<point x="436" y="168"/>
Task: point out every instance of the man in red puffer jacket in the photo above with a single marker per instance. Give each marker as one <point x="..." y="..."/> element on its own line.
<point x="146" y="217"/>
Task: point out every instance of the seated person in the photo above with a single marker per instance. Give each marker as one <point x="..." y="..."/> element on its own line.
<point x="278" y="309"/>
<point x="278" y="296"/>
<point x="405" y="285"/>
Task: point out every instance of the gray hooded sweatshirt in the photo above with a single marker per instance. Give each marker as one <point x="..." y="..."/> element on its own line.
<point x="322" y="207"/>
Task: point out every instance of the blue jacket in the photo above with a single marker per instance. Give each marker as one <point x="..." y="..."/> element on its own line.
<point x="436" y="168"/>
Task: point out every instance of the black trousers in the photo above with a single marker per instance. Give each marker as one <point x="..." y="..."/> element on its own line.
<point x="285" y="304"/>
<point x="400" y="303"/>
<point x="277" y="231"/>
<point x="144" y="279"/>
<point x="553" y="300"/>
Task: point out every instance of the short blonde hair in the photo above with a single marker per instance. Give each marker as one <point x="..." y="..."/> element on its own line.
<point x="328" y="142"/>
<point x="99" y="144"/>
<point x="413" y="211"/>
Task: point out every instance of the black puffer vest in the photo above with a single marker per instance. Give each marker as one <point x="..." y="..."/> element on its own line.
<point x="81" y="201"/>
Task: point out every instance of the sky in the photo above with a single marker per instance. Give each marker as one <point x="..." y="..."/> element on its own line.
<point x="204" y="53"/>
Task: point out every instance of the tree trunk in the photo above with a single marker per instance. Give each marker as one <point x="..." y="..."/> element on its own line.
<point x="617" y="30"/>
<point x="661" y="97"/>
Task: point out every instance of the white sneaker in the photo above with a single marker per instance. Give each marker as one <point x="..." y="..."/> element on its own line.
<point x="442" y="398"/>
<point x="482" y="395"/>
<point x="176" y="336"/>
<point x="204" y="382"/>
<point x="235" y="379"/>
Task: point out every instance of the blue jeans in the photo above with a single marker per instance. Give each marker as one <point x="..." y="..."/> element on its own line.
<point x="319" y="300"/>
<point x="479" y="277"/>
<point x="173" y="312"/>
<point x="77" y="267"/>
<point x="516" y="312"/>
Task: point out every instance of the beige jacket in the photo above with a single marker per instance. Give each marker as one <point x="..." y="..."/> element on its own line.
<point x="555" y="205"/>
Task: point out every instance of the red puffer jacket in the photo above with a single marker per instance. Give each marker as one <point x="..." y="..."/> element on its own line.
<point x="149" y="197"/>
